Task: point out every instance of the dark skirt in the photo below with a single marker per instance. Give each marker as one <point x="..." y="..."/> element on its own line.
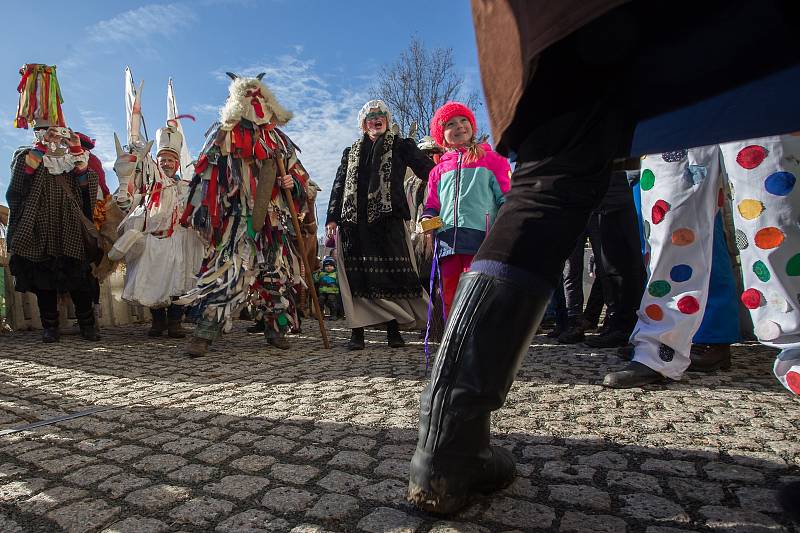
<point x="377" y="260"/>
<point x="62" y="274"/>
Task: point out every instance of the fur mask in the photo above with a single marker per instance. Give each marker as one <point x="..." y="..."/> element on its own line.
<point x="250" y="99"/>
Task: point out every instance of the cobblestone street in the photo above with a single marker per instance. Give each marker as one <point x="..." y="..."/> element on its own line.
<point x="253" y="439"/>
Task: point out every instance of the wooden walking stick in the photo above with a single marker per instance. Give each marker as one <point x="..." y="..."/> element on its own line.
<point x="309" y="280"/>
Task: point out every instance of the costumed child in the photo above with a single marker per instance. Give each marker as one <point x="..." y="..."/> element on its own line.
<point x="51" y="197"/>
<point x="328" y="288"/>
<point x="161" y="256"/>
<point x="465" y="190"/>
<point x="238" y="204"/>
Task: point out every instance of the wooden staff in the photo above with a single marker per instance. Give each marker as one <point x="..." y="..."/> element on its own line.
<point x="309" y="280"/>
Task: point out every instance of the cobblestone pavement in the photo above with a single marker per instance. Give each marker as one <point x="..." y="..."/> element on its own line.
<point x="252" y="439"/>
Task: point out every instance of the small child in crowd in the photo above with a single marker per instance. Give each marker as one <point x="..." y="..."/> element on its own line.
<point x="328" y="288"/>
<point x="465" y="190"/>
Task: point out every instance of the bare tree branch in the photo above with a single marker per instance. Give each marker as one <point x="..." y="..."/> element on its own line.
<point x="418" y="83"/>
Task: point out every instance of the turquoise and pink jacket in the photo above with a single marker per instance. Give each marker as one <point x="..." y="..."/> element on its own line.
<point x="466" y="197"/>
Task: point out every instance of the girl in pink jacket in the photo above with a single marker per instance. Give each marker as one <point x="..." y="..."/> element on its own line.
<point x="465" y="189"/>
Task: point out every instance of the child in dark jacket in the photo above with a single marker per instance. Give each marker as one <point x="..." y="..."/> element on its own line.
<point x="465" y="190"/>
<point x="328" y="288"/>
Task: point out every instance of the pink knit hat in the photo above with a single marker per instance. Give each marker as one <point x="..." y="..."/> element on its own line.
<point x="445" y="113"/>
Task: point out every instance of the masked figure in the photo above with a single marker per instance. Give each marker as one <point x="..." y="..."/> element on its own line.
<point x="51" y="197"/>
<point x="237" y="202"/>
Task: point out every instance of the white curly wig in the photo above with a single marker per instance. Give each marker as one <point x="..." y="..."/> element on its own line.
<point x="238" y="105"/>
<point x="373" y="104"/>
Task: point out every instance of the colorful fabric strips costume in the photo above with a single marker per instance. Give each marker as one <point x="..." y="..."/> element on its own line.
<point x="235" y="202"/>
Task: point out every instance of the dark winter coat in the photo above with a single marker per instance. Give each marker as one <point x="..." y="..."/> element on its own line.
<point x="405" y="154"/>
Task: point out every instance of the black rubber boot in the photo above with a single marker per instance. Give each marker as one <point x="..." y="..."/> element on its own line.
<point x="789" y="499"/>
<point x="87" y="325"/>
<point x="393" y="337"/>
<point x="50" y="332"/>
<point x="481" y="351"/>
<point x="356" y="339"/>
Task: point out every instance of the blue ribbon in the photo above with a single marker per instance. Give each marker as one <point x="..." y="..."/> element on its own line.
<point x="434" y="273"/>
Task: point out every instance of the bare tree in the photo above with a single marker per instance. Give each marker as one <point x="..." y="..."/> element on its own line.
<point x="418" y="83"/>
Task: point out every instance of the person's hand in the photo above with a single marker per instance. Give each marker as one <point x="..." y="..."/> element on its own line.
<point x="287" y="181"/>
<point x="330" y="228"/>
<point x="74" y="141"/>
<point x="429" y="232"/>
<point x="428" y="249"/>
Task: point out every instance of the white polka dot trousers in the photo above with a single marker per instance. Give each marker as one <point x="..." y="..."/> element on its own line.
<point x="681" y="193"/>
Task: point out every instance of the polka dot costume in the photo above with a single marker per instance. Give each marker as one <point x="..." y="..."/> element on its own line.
<point x="681" y="194"/>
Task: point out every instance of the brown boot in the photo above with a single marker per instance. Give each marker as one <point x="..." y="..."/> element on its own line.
<point x="175" y="329"/>
<point x="197" y="346"/>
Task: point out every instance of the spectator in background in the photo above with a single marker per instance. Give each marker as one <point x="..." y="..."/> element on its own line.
<point x="328" y="288"/>
<point x="367" y="212"/>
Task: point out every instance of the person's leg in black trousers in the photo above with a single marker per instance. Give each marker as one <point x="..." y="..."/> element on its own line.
<point x="622" y="261"/>
<point x="559" y="303"/>
<point x="594" y="305"/>
<point x="573" y="294"/>
<point x="84" y="312"/>
<point x="561" y="175"/>
<point x="47" y="301"/>
<point x="601" y="289"/>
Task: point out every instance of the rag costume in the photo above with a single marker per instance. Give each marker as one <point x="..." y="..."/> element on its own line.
<point x="568" y="100"/>
<point x="51" y="197"/>
<point x="161" y="256"/>
<point x="237" y="205"/>
<point x="377" y="269"/>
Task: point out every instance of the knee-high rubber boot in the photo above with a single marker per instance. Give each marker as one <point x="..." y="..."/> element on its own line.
<point x="483" y="346"/>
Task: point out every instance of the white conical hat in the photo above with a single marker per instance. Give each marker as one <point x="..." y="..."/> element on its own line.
<point x="169" y="139"/>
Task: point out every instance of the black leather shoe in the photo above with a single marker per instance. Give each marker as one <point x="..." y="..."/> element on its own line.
<point x="356" y="339"/>
<point x="50" y="331"/>
<point x="626" y="352"/>
<point x="50" y="335"/>
<point x="574" y="332"/>
<point x="393" y="337"/>
<point x="611" y="339"/>
<point x="89" y="332"/>
<point x="481" y="351"/>
<point x="710" y="357"/>
<point x="87" y="325"/>
<point x="258" y="327"/>
<point x="634" y="375"/>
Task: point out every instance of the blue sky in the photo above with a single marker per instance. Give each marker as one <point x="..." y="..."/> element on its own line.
<point x="320" y="57"/>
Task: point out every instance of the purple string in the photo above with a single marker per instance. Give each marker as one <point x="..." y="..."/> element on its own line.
<point x="434" y="272"/>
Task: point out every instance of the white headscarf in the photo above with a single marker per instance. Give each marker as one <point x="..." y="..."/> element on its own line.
<point x="372" y="104"/>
